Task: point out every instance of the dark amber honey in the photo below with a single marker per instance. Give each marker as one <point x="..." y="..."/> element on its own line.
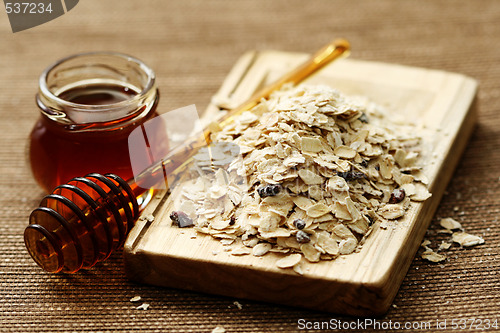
<point x="60" y="152"/>
<point x="101" y="94"/>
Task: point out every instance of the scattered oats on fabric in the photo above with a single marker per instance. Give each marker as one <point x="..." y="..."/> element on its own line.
<point x="430" y="255"/>
<point x="307" y="173"/>
<point x="458" y="235"/>
<point x="444" y="246"/>
<point x="143" y="306"/>
<point x="465" y="239"/>
<point x="135" y="299"/>
<point x="450" y="224"/>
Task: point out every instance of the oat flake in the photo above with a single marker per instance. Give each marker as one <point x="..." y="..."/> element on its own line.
<point x="450" y="224"/>
<point x="219" y="329"/>
<point x="465" y="239"/>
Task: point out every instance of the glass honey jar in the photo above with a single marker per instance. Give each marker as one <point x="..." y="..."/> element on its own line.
<point x="89" y="104"/>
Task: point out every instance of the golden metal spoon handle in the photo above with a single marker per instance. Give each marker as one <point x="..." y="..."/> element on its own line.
<point x="328" y="53"/>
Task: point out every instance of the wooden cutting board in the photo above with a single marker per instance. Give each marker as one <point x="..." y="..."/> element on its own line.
<point x="363" y="283"/>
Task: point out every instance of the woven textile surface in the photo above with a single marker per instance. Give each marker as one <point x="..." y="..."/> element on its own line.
<point x="192" y="45"/>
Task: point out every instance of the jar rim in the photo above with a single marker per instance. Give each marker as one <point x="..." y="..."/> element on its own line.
<point x="140" y="96"/>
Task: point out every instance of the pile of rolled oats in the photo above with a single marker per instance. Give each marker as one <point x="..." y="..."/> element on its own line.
<point x="308" y="172"/>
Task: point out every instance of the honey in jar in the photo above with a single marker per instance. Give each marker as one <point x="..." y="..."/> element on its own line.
<point x="89" y="104"/>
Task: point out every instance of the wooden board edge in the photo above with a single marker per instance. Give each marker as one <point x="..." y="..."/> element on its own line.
<point x="403" y="260"/>
<point x="267" y="286"/>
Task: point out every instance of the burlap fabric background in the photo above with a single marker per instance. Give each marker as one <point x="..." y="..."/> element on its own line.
<point x="192" y="45"/>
